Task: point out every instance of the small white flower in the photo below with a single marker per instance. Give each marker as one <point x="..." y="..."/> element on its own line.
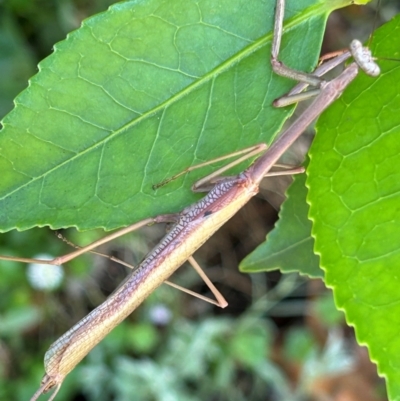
<point x="44" y="277"/>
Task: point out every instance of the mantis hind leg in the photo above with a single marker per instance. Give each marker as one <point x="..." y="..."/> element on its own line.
<point x="219" y="299"/>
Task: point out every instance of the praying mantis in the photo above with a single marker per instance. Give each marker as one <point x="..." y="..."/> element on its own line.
<point x="197" y="222"/>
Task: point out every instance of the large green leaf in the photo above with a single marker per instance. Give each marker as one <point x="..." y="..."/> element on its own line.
<point x="137" y="94"/>
<point x="354" y="192"/>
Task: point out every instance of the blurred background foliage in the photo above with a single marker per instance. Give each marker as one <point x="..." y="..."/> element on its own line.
<point x="281" y="337"/>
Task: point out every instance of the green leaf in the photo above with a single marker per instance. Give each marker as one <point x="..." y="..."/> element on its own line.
<point x="139" y="93"/>
<point x="289" y="246"/>
<point x="354" y="192"/>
